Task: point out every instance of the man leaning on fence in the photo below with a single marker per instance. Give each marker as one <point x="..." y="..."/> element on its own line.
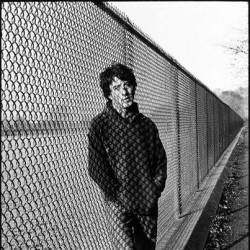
<point x="127" y="161"/>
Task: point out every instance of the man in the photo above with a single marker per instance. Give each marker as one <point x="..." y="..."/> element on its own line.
<point x="127" y="161"/>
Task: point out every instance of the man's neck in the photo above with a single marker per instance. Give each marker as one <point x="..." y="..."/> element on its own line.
<point x="122" y="111"/>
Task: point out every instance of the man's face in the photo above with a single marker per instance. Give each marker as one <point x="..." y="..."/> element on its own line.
<point x="121" y="94"/>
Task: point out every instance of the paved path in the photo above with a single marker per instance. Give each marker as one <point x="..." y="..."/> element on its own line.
<point x="240" y="207"/>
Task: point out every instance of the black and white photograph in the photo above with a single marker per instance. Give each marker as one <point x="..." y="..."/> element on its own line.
<point x="124" y="125"/>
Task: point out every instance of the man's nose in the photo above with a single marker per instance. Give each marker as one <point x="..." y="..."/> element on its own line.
<point x="124" y="91"/>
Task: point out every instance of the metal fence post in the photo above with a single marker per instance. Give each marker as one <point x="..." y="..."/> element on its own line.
<point x="197" y="140"/>
<point x="180" y="210"/>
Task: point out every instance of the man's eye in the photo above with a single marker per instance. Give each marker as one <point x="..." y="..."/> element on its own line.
<point x="116" y="87"/>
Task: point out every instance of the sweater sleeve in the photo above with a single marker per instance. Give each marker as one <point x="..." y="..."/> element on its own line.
<point x="160" y="164"/>
<point x="99" y="168"/>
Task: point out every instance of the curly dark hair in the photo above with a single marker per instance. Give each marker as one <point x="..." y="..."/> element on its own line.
<point x="118" y="70"/>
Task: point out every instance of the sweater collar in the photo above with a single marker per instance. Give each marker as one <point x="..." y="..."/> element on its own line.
<point x="133" y="112"/>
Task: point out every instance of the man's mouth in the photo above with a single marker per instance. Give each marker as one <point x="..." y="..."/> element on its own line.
<point x="126" y="99"/>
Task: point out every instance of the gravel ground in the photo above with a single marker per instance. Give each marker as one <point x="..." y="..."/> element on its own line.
<point x="229" y="227"/>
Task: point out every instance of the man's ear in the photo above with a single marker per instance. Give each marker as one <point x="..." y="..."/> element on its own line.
<point x="110" y="97"/>
<point x="134" y="89"/>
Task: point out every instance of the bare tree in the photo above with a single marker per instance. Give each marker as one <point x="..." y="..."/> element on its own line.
<point x="239" y="46"/>
<point x="238" y="49"/>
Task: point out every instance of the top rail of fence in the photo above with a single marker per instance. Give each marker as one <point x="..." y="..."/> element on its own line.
<point x="123" y="19"/>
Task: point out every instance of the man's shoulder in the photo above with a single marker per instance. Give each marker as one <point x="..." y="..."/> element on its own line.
<point x="98" y="121"/>
<point x="148" y="121"/>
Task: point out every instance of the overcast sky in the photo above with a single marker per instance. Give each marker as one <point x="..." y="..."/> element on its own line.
<point x="192" y="33"/>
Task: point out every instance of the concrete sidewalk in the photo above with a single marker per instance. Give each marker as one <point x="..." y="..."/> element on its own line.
<point x="190" y="231"/>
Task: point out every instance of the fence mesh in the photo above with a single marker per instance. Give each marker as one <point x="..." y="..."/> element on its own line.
<point x="216" y="130"/>
<point x="187" y="137"/>
<point x="202" y="126"/>
<point x="51" y="57"/>
<point x="210" y="131"/>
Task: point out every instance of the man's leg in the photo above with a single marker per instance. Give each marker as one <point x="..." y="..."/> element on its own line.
<point x="145" y="231"/>
<point x="120" y="227"/>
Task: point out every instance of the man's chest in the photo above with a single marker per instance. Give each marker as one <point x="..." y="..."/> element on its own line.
<point x="128" y="140"/>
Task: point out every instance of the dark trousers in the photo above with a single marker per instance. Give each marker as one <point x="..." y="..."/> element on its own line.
<point x="129" y="231"/>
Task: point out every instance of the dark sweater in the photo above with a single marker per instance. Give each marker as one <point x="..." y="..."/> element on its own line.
<point x="127" y="159"/>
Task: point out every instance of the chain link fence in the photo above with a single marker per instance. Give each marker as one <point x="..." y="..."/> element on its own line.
<point x="51" y="57"/>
